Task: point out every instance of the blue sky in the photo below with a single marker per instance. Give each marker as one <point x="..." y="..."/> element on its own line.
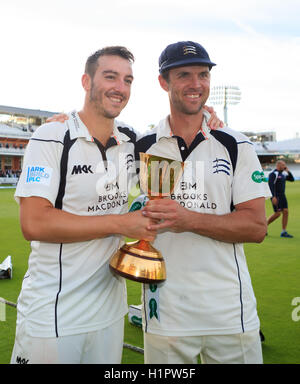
<point x="256" y="45"/>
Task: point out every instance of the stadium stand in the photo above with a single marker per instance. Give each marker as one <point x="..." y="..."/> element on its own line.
<point x="16" y="128"/>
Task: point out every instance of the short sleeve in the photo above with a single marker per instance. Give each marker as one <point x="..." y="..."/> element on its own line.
<point x="249" y="181"/>
<point x="41" y="165"/>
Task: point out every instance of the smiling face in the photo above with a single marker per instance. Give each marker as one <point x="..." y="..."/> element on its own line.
<point x="109" y="90"/>
<point x="188" y="88"/>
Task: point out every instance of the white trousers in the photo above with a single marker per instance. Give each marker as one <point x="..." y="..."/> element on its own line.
<point x="104" y="346"/>
<point x="244" y="348"/>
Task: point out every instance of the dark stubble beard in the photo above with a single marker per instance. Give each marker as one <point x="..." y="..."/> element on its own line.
<point x="182" y="108"/>
<point x="96" y="99"/>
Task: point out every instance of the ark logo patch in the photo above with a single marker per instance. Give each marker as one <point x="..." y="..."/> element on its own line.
<point x="38" y="175"/>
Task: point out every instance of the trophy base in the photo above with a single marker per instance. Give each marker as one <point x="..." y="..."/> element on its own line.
<point x="135" y="278"/>
<point x="139" y="262"/>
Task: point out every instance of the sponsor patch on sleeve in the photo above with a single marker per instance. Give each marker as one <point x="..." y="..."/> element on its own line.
<point x="259" y="177"/>
<point x="38" y="175"/>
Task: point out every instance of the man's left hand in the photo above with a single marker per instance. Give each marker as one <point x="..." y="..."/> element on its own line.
<point x="169" y="214"/>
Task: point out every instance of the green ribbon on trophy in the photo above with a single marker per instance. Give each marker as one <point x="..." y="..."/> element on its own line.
<point x="153" y="287"/>
<point x="152" y="294"/>
<point x="153" y="308"/>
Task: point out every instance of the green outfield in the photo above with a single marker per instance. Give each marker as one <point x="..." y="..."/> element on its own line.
<point x="274" y="266"/>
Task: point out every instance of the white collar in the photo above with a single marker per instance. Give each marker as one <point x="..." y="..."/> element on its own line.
<point x="164" y="130"/>
<point x="78" y="129"/>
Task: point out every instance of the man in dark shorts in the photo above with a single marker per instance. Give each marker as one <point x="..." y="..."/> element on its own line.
<point x="277" y="180"/>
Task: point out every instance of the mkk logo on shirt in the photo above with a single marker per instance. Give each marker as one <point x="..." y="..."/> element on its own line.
<point x="38" y="175"/>
<point x="81" y="169"/>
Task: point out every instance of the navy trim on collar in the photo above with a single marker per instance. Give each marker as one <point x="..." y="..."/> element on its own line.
<point x="184" y="150"/>
<point x="128" y="132"/>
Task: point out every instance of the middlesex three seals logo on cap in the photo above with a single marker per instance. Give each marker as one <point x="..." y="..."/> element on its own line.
<point x="183" y="53"/>
<point x="189" y="49"/>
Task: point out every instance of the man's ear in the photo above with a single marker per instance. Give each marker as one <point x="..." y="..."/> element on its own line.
<point x="86" y="82"/>
<point x="163" y="83"/>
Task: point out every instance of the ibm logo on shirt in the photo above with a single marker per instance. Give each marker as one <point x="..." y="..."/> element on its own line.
<point x="38" y="175"/>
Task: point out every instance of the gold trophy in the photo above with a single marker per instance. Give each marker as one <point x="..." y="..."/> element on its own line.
<point x="140" y="261"/>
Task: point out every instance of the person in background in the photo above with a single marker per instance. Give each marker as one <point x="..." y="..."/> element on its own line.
<point x="277" y="179"/>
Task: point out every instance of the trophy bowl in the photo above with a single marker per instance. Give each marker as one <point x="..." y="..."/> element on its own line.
<point x="140" y="261"/>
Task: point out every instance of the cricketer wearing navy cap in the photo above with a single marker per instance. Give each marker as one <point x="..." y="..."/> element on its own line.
<point x="183" y="53"/>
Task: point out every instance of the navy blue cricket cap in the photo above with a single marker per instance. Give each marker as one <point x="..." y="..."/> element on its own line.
<point x="182" y="54"/>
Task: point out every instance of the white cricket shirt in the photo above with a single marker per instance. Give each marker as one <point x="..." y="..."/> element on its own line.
<point x="208" y="289"/>
<point x="68" y="288"/>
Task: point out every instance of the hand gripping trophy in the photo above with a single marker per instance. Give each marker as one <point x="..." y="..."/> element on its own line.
<point x="140" y="261"/>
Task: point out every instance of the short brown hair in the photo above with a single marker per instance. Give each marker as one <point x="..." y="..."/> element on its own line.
<point x="92" y="61"/>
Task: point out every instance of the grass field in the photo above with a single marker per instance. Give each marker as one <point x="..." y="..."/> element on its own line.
<point x="274" y="266"/>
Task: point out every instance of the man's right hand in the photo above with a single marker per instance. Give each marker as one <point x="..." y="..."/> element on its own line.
<point x="137" y="226"/>
<point x="61" y="118"/>
<point x="274" y="200"/>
